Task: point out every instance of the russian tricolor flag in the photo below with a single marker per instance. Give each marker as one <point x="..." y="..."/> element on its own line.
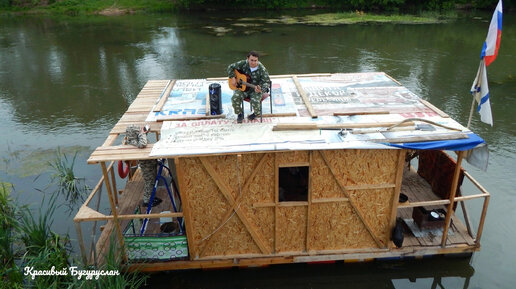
<point x="480" y="89"/>
<point x="492" y="43"/>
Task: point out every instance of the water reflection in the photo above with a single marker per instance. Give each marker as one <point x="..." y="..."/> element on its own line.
<point x="430" y="273"/>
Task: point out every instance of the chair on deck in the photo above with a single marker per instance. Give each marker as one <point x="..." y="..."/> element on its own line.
<point x="265" y="95"/>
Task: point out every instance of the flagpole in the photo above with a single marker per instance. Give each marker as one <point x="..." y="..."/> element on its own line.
<point x="479" y="75"/>
<point x="471" y="112"/>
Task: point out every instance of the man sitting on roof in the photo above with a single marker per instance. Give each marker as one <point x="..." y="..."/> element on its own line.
<point x="257" y="77"/>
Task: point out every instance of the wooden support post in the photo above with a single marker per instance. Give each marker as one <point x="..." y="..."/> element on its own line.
<point x="482" y="220"/>
<point x="94" y="228"/>
<point x="305" y="97"/>
<point x="276" y="201"/>
<point x="397" y="189"/>
<point x="192" y="246"/>
<point x="453" y="191"/>
<point x="81" y="242"/>
<point x="114" y="211"/>
<point x="466" y="218"/>
<point x="112" y="171"/>
<point x="309" y="209"/>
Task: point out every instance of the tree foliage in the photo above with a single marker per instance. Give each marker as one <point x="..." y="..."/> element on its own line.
<point x="362" y="5"/>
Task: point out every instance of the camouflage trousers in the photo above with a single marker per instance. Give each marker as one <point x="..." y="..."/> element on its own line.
<point x="238" y="96"/>
<point x="149" y="173"/>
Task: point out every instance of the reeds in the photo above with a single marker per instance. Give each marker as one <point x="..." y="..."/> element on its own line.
<point x="27" y="241"/>
<point x="71" y="187"/>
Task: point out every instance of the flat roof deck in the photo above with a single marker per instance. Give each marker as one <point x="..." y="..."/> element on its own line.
<point x="307" y="113"/>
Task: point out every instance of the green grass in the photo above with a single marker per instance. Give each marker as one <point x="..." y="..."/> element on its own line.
<point x="328" y="19"/>
<point x="10" y="276"/>
<point x="23" y="231"/>
<point x="71" y="187"/>
<point x="82" y="7"/>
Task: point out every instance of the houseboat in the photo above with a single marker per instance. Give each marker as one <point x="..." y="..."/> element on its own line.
<point x="350" y="167"/>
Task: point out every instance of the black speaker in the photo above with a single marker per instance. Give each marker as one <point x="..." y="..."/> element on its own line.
<point x="215" y="99"/>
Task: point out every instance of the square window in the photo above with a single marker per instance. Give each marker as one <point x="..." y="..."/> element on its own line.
<point x="293" y="184"/>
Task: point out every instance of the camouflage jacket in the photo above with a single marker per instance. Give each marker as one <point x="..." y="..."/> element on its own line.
<point x="259" y="77"/>
<point x="134" y="136"/>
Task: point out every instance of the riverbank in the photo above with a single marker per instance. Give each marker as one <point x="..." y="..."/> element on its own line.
<point x="122" y="7"/>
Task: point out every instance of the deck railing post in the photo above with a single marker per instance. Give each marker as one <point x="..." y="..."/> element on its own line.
<point x="466" y="218"/>
<point x="482" y="220"/>
<point x="81" y="242"/>
<point x="453" y="192"/>
<point x="115" y="193"/>
<point x="114" y="210"/>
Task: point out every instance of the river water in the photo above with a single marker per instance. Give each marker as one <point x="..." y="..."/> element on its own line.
<point x="64" y="82"/>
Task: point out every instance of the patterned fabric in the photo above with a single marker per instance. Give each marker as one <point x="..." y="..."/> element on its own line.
<point x="156" y="248"/>
<point x="258" y="77"/>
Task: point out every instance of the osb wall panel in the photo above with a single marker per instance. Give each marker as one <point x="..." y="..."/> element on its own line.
<point x="232" y="239"/>
<point x="292" y="157"/>
<point x="292" y="228"/>
<point x="226" y="166"/>
<point x="205" y="196"/>
<point x="360" y="167"/>
<point x="261" y="190"/>
<point x="376" y="208"/>
<point x="322" y="182"/>
<point x="335" y="226"/>
<point x="206" y="203"/>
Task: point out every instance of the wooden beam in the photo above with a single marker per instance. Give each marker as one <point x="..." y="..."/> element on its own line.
<point x="396" y="194"/>
<point x="329" y="200"/>
<point x="284" y="114"/>
<point x="304" y="96"/>
<point x="440" y="202"/>
<point x="81" y="242"/>
<point x="365" y="112"/>
<point x="114" y="211"/>
<point x="476" y="183"/>
<point x="397" y="82"/>
<point x="293" y="204"/>
<point x="453" y="191"/>
<point x="310" y="197"/>
<point x="434" y="108"/>
<point x="430" y="137"/>
<point x="164" y="97"/>
<point x="88" y="214"/>
<point x="113" y="184"/>
<point x="276" y="201"/>
<point x="467" y="219"/>
<point x="352" y="202"/>
<point x="312" y="126"/>
<point x="192" y="245"/>
<point x="110" y="140"/>
<point x="481" y="223"/>
<point x="370" y="187"/>
<point x="189" y="117"/>
<point x="96" y="188"/>
<point x="226" y="191"/>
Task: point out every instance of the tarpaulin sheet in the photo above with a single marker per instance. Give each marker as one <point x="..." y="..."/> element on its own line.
<point x="471" y="142"/>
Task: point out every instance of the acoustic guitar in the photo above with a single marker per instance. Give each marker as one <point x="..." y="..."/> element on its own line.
<point x="242" y="82"/>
